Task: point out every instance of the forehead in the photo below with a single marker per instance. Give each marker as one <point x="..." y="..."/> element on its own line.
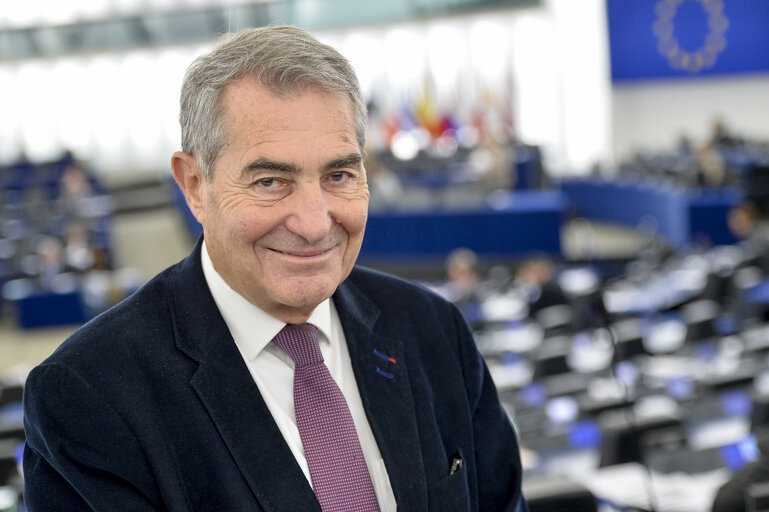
<point x="248" y="107"/>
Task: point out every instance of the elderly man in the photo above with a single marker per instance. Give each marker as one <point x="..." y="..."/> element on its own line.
<point x="265" y="372"/>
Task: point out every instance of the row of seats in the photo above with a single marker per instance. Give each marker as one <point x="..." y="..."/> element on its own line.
<point x="659" y="360"/>
<point x="55" y="243"/>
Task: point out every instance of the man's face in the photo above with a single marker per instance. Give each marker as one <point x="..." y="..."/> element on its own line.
<point x="284" y="214"/>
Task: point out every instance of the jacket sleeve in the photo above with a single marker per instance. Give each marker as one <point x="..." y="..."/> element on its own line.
<point x="497" y="454"/>
<point x="80" y="454"/>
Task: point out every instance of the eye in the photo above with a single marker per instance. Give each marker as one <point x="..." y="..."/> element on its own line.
<point x="267" y="182"/>
<point x="340" y="176"/>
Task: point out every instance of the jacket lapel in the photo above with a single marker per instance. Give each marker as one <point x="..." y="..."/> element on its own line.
<point x="228" y="392"/>
<point x="383" y="383"/>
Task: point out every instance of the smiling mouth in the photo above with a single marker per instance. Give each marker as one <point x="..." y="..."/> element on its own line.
<point x="302" y="254"/>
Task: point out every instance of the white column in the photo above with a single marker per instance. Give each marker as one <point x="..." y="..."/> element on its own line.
<point x="583" y="57"/>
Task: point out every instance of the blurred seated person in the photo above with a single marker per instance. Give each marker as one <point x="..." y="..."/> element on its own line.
<point x="384" y="185"/>
<point x="711" y="166"/>
<point x="73" y="188"/>
<point x="78" y="253"/>
<point x="536" y="277"/>
<point x="731" y="497"/>
<point x="50" y="254"/>
<point x="462" y="276"/>
<point x="752" y="230"/>
<point x="722" y="136"/>
<point x="491" y="162"/>
<point x="101" y="259"/>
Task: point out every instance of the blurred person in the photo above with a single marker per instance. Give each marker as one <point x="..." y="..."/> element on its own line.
<point x="385" y="186"/>
<point x="711" y="166"/>
<point x="537" y="277"/>
<point x="79" y="197"/>
<point x="78" y="253"/>
<point x="491" y="162"/>
<point x="180" y="398"/>
<point x="752" y="231"/>
<point x="462" y="276"/>
<point x="50" y="252"/>
<point x="742" y="220"/>
<point x="732" y="496"/>
<point x="101" y="259"/>
<point x="74" y="191"/>
<point x="721" y="136"/>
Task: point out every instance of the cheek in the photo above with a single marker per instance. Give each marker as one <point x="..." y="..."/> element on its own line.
<point x="353" y="215"/>
<point x="246" y="223"/>
<point x="354" y="221"/>
<point x="251" y="228"/>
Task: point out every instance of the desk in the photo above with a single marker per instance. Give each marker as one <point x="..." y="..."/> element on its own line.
<point x="682" y="216"/>
<point x="48" y="309"/>
<point x="630" y="485"/>
<point x="527" y="222"/>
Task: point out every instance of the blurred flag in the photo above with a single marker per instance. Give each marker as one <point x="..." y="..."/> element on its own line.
<point x="426" y="108"/>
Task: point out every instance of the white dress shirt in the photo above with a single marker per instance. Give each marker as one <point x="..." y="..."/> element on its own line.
<point x="273" y="371"/>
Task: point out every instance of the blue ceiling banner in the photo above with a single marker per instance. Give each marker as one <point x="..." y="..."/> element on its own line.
<point x="663" y="39"/>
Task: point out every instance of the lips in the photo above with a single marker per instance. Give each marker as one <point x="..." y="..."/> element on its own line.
<point x="303" y="254"/>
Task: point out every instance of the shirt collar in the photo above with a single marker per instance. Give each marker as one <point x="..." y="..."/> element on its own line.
<point x="252" y="328"/>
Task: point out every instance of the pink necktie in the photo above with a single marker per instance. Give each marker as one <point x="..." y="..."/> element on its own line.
<point x="337" y="467"/>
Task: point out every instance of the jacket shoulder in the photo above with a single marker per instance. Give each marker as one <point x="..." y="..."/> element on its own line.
<point x="122" y="326"/>
<point x="375" y="283"/>
<point x="403" y="305"/>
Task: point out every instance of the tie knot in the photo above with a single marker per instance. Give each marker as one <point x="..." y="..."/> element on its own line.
<point x="300" y="342"/>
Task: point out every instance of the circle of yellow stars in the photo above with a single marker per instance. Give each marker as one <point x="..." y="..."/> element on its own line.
<point x="703" y="57"/>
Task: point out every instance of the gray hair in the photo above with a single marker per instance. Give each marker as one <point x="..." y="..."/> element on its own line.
<point x="283" y="59"/>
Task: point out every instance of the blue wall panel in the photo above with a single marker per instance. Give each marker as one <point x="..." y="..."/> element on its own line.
<point x="663" y="39"/>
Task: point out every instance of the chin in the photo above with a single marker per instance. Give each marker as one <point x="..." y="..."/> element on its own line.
<point x="307" y="295"/>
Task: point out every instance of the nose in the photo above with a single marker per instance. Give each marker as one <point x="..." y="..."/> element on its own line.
<point x="310" y="217"/>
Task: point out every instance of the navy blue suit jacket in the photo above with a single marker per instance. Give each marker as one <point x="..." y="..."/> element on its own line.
<point x="151" y="407"/>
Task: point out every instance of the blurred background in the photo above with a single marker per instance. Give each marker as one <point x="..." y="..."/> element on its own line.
<point x="587" y="179"/>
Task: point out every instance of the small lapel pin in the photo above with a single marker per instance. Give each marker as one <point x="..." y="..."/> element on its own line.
<point x="386" y="358"/>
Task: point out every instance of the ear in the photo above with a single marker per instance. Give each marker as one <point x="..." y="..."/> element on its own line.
<point x="189" y="176"/>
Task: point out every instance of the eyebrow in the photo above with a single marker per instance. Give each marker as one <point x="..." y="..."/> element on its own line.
<point x="265" y="164"/>
<point x="268" y="165"/>
<point x="351" y="160"/>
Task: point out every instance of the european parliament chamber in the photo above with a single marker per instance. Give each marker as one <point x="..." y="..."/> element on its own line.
<point x="587" y="181"/>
